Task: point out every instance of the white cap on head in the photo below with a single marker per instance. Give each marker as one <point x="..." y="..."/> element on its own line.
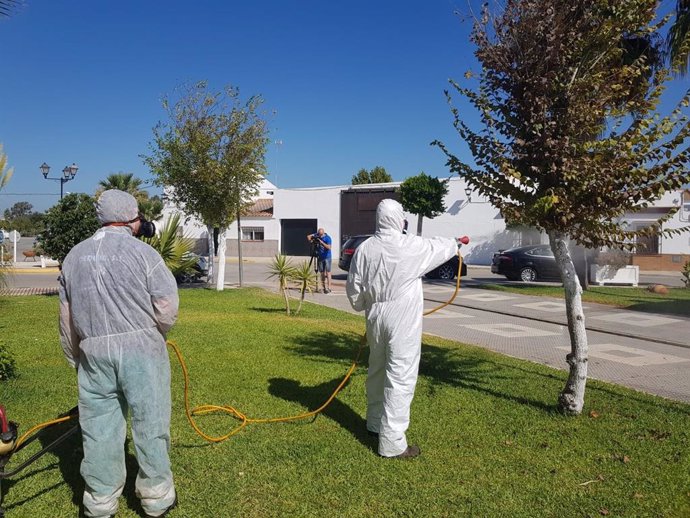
<point x="114" y="206"/>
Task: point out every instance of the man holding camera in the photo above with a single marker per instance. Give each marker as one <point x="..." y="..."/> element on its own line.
<point x="322" y="252"/>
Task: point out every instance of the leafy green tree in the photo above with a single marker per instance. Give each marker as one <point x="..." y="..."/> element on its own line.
<point x="211" y="154"/>
<point x="423" y="195"/>
<point x="19" y="209"/>
<point x="69" y="222"/>
<point x="377" y="175"/>
<point x="571" y="140"/>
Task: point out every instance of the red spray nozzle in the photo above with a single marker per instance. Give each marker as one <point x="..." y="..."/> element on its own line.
<point x="4" y="425"/>
<point x="464" y="240"/>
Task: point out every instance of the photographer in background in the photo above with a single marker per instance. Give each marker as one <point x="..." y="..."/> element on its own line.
<point x="321" y="250"/>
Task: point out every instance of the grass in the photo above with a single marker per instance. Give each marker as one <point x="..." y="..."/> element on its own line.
<point x="492" y="443"/>
<point x="676" y="302"/>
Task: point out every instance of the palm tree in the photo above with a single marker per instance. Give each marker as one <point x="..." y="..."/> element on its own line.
<point x="283" y="270"/>
<point x="176" y="250"/>
<point x="7" y="6"/>
<point x="305" y="276"/>
<point x="5" y="175"/>
<point x="124" y="182"/>
<point x="151" y="208"/>
<point x="678" y="41"/>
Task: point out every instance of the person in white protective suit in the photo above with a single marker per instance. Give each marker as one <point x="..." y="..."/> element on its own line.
<point x="117" y="302"/>
<point x="385" y="281"/>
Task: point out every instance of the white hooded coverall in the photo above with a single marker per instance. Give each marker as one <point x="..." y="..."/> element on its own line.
<point x="117" y="301"/>
<point x="385" y="281"/>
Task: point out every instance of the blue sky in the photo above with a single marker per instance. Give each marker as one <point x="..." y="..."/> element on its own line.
<point x="347" y="84"/>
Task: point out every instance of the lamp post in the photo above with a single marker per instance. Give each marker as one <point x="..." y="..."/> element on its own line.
<point x="68" y="173"/>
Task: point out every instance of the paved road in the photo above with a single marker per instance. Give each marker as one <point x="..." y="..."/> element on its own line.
<point x="643" y="351"/>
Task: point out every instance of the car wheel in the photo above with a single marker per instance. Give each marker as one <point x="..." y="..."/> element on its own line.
<point x="446" y="272"/>
<point x="528" y="274"/>
<point x="187" y="278"/>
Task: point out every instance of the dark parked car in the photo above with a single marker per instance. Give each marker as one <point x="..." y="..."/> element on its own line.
<point x="199" y="270"/>
<point x="448" y="270"/>
<point x="526" y="263"/>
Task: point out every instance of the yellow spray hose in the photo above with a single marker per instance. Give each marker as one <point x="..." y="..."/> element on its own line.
<point x="38" y="427"/>
<point x="208" y="409"/>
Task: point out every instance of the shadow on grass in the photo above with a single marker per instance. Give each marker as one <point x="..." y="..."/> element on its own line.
<point x="69" y="455"/>
<point x="269" y="310"/>
<point x="667" y="307"/>
<point x="440" y="365"/>
<point x="314" y="397"/>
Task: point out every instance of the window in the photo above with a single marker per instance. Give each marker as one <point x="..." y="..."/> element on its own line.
<point x="252" y="233"/>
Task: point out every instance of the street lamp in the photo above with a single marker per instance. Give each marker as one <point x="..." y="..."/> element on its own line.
<point x="68" y="173"/>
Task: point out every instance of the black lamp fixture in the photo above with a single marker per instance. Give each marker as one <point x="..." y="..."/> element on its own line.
<point x="68" y="173"/>
<point x="468" y="193"/>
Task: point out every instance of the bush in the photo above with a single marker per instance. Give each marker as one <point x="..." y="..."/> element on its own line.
<point x="8" y="367"/>
<point x="69" y="222"/>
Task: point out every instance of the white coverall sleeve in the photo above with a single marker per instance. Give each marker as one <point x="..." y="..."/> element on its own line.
<point x="164" y="297"/>
<point x="353" y="287"/>
<point x="432" y="252"/>
<point x="69" y="339"/>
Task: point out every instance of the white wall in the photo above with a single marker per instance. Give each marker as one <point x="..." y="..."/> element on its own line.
<point x="321" y="204"/>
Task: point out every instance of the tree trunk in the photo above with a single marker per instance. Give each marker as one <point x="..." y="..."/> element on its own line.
<point x="284" y="289"/>
<point x="220" y="281"/>
<point x="571" y="399"/>
<point x="420" y="220"/>
<point x="239" y="246"/>
<point x="211" y="255"/>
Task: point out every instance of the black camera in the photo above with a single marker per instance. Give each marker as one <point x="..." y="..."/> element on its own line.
<point x="315" y="246"/>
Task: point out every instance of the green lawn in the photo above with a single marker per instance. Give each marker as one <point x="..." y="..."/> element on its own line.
<point x="492" y="443"/>
<point x="676" y="302"/>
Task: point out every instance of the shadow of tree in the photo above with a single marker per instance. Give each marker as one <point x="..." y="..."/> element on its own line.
<point x="442" y="366"/>
<point x="313" y="397"/>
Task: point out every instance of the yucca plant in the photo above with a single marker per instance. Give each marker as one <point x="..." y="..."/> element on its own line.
<point x="282" y="268"/>
<point x="305" y="276"/>
<point x="175" y="249"/>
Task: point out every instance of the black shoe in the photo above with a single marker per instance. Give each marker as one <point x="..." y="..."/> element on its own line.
<point x="410" y="453"/>
<point x="165" y="513"/>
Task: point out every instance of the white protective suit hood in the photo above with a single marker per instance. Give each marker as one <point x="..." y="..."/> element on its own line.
<point x="385" y="280"/>
<point x="389" y="216"/>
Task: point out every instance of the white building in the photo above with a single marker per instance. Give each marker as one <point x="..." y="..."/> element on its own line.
<point x="280" y="220"/>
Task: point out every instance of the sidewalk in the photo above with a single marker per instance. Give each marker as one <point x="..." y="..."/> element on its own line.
<point x="643" y="351"/>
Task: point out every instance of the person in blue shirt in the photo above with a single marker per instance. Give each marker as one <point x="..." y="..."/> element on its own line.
<point x="323" y="257"/>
